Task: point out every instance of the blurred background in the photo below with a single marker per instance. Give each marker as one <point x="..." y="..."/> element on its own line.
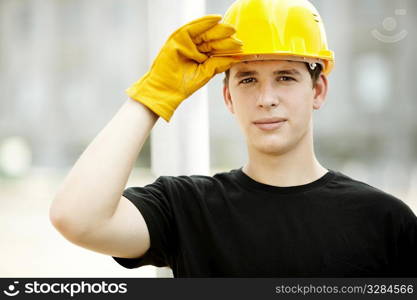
<point x="64" y="66"/>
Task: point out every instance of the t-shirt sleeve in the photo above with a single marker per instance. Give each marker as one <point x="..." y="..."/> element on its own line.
<point x="154" y="203"/>
<point x="407" y="245"/>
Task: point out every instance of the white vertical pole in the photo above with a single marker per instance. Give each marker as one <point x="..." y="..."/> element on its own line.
<point x="180" y="147"/>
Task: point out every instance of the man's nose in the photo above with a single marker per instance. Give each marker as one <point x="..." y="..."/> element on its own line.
<point x="267" y="96"/>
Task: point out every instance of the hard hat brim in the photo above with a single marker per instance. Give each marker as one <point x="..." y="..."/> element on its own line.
<point x="326" y="62"/>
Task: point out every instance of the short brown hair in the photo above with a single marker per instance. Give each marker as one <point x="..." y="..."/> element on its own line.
<point x="315" y="74"/>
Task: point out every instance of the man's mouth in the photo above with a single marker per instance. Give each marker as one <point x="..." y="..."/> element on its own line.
<point x="270" y="123"/>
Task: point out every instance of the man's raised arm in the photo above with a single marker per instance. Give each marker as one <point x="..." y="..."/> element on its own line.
<point x="89" y="208"/>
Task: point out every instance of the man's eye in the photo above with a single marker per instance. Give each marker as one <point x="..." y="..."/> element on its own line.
<point x="285" y="78"/>
<point x="247" y="80"/>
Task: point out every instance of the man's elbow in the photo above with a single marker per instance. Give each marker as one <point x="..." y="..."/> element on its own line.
<point x="71" y="228"/>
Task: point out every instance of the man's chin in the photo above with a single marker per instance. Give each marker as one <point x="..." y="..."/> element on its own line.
<point x="275" y="149"/>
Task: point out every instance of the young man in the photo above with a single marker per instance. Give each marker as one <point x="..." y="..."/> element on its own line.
<point x="280" y="215"/>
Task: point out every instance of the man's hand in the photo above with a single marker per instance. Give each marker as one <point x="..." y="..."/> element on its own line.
<point x="184" y="65"/>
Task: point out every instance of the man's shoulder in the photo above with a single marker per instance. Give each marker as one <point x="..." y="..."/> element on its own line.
<point x="218" y="178"/>
<point x="365" y="192"/>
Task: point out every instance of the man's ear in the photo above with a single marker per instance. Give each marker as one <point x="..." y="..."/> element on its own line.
<point x="320" y="91"/>
<point x="228" y="98"/>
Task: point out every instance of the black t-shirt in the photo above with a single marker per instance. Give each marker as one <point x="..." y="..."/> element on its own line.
<point x="229" y="225"/>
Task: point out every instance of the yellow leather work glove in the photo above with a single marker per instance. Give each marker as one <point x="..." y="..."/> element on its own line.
<point x="184" y="65"/>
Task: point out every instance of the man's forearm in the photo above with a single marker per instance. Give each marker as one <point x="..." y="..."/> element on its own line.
<point x="91" y="191"/>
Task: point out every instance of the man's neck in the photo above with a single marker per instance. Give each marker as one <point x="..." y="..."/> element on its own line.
<point x="295" y="167"/>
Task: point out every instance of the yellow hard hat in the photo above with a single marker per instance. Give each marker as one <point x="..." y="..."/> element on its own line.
<point x="291" y="29"/>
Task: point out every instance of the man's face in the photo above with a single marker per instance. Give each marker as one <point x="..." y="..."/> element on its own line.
<point x="260" y="90"/>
